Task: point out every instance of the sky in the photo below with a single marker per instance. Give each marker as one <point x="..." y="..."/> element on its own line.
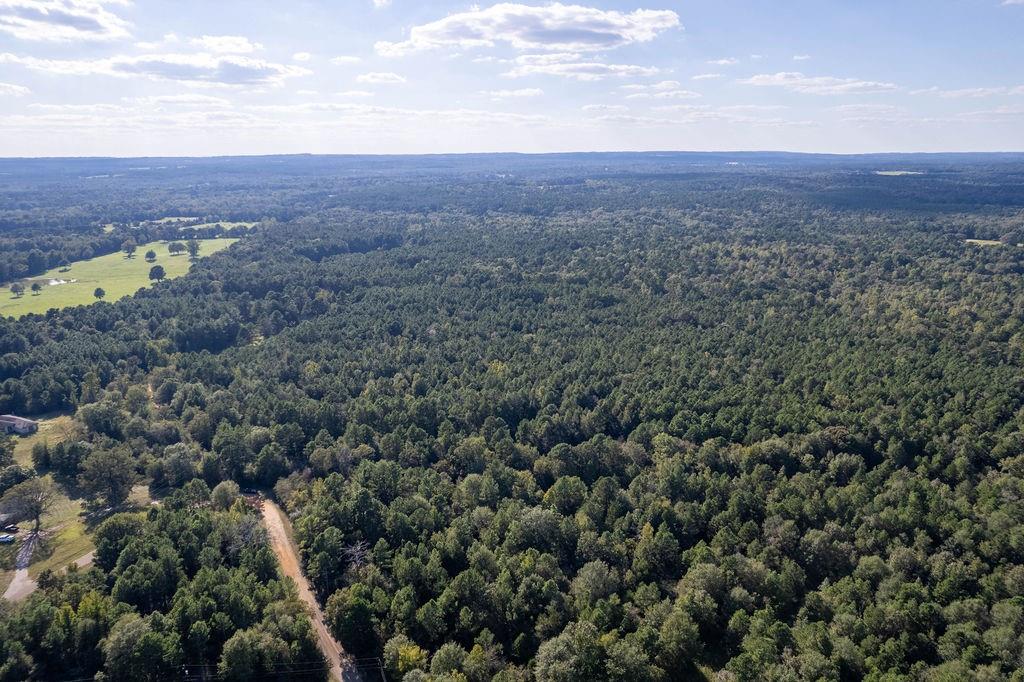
<point x="202" y="78"/>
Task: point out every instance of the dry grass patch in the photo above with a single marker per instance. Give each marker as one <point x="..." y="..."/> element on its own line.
<point x="52" y="430"/>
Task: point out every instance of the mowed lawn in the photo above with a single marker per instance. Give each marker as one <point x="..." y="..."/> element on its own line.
<point x="114" y="273"/>
<point x="52" y="430"/>
<point x="226" y="224"/>
<point x="69" y="530"/>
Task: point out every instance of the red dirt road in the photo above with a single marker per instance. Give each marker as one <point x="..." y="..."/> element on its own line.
<point x="277" y="524"/>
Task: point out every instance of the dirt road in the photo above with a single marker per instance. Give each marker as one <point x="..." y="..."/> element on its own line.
<point x="278" y="524"/>
<point x="23" y="585"/>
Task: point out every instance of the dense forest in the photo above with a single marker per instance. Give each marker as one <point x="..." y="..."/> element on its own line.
<point x="594" y="417"/>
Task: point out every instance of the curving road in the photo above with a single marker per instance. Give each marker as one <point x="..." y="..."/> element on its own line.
<point x="278" y="525"/>
<point x="23" y="585"/>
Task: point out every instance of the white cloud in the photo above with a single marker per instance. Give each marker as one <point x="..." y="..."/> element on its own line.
<point x="604" y="107"/>
<point x="184" y="99"/>
<point x="355" y="93"/>
<point x="301" y="57"/>
<point x="79" y="108"/>
<point x="168" y="39"/>
<point x="691" y="109"/>
<point x="998" y="115"/>
<point x="555" y="27"/>
<point x="818" y="85"/>
<point x="512" y="94"/>
<point x="11" y="90"/>
<point x="801" y="57"/>
<point x="661" y="90"/>
<point x="199" y="68"/>
<point x="667" y="94"/>
<point x="567" y="65"/>
<point x="970" y="93"/>
<point x="105" y="118"/>
<point x="378" y="78"/>
<point x="345" y="59"/>
<point x="661" y="86"/>
<point x="740" y="114"/>
<point x="381" y="4"/>
<point x="866" y="113"/>
<point x="489" y="59"/>
<point x="227" y="44"/>
<point x="371" y="116"/>
<point x="725" y="61"/>
<point x="62" y="20"/>
<point x="316" y="118"/>
<point x="706" y="76"/>
<point x="627" y="119"/>
<point x="751" y="108"/>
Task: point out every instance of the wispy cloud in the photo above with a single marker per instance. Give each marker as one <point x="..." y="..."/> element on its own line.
<point x="512" y="94"/>
<point x="62" y="20"/>
<point x="971" y="93"/>
<point x="227" y="44"/>
<point x="167" y="39"/>
<point x="724" y="61"/>
<point x="818" y="85"/>
<point x="801" y="57"/>
<point x="183" y="99"/>
<point x="301" y="57"/>
<point x="866" y="112"/>
<point x="380" y="78"/>
<point x="604" y="107"/>
<point x="706" y="76"/>
<point x="200" y="68"/>
<point x="11" y="90"/>
<point x="554" y="27"/>
<point x="662" y="90"/>
<point x="570" y="65"/>
<point x="345" y="59"/>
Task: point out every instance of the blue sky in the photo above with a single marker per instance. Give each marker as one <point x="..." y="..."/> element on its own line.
<point x="189" y="77"/>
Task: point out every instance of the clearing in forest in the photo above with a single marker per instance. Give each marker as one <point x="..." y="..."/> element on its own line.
<point x="66" y="537"/>
<point x="116" y="274"/>
<point x="52" y="430"/>
<point x="226" y="224"/>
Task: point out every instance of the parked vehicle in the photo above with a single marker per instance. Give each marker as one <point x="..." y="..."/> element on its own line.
<point x="12" y="528"/>
<point x="7" y="539"/>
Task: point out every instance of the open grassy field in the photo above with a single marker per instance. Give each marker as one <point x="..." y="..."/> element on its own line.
<point x="69" y="530"/>
<point x="65" y="538"/>
<point x="115" y="274"/>
<point x="226" y="224"/>
<point x="52" y="429"/>
<point x="67" y="535"/>
<point x="984" y="242"/>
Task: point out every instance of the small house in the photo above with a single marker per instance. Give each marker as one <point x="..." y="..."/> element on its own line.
<point x="11" y="424"/>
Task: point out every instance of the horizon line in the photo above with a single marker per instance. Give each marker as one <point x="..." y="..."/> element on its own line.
<point x="737" y="152"/>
